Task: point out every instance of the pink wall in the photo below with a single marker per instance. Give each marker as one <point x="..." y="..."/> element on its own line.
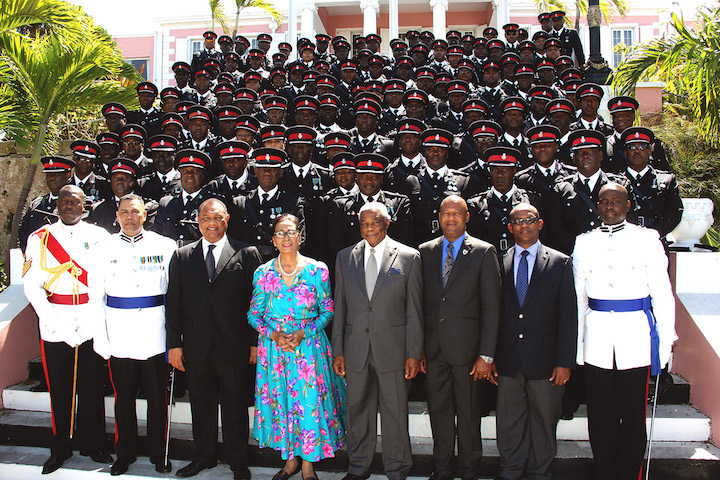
<point x="19" y="343"/>
<point x="650" y="99"/>
<point x="695" y="360"/>
<point x="139" y="47"/>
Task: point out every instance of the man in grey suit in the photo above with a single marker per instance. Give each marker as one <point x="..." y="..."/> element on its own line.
<point x="461" y="310"/>
<point x="377" y="342"/>
<point x="536" y="348"/>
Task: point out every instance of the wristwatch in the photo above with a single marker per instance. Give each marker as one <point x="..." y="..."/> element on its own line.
<point x="487" y="359"/>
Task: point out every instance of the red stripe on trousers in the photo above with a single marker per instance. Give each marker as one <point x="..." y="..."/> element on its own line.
<point x="47" y="381"/>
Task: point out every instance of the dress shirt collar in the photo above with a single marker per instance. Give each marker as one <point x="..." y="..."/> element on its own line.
<point x="78" y="181"/>
<point x="440" y="171"/>
<point x="532" y="254"/>
<point x="200" y="145"/>
<point x="638" y="175"/>
<point x="613" y="228"/>
<point x="593" y="179"/>
<point x="551" y="170"/>
<point x="204" y="95"/>
<point x="411" y="162"/>
<point x="353" y="190"/>
<point x="512" y="139"/>
<point x="167" y="176"/>
<point x="149" y="110"/>
<point x="188" y="197"/>
<point x="379" y="252"/>
<point x="219" y="245"/>
<point x="239" y="181"/>
<point x="71" y="228"/>
<point x="270" y="194"/>
<point x="560" y="31"/>
<point x="302" y="172"/>
<point x="376" y="197"/>
<point x="457" y="244"/>
<point x="589" y="125"/>
<point x="369" y="139"/>
<point x="565" y="138"/>
<point x="508" y="195"/>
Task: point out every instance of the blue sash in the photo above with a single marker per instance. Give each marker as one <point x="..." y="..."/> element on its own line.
<point x="135" y="302"/>
<point x="635" y="305"/>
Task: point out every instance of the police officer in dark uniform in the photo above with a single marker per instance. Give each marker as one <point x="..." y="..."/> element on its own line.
<point x="485" y="134"/>
<point x="560" y="112"/>
<point x="492" y="91"/>
<point x="199" y="119"/>
<point x="123" y="179"/>
<point x="573" y="207"/>
<point x="177" y="216"/>
<point x="252" y="215"/>
<point x="657" y="197"/>
<point x="237" y="179"/>
<point x="166" y="179"/>
<point x="109" y="143"/>
<point x="541" y="177"/>
<point x="115" y="116"/>
<point x="344" y="219"/>
<point x="182" y="72"/>
<point x="400" y="175"/>
<point x="513" y="111"/>
<point x="490" y="210"/>
<point x="568" y="37"/>
<point x="132" y="142"/>
<point x="43" y="209"/>
<point x="452" y="119"/>
<point x="589" y="94"/>
<point x="365" y="138"/>
<point x="303" y="177"/>
<point x="148" y="116"/>
<point x="435" y="182"/>
<point x="86" y="154"/>
<point x="200" y="58"/>
<point x="623" y="110"/>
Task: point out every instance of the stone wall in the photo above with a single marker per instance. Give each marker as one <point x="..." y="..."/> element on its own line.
<point x="13" y="165"/>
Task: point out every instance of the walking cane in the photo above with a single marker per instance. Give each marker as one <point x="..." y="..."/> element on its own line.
<point x="652" y="425"/>
<point x="169" y="415"/>
<point x="72" y="404"/>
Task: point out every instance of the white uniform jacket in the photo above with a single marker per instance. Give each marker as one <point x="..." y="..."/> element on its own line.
<point x="132" y="267"/>
<point x="628" y="262"/>
<point x="47" y="248"/>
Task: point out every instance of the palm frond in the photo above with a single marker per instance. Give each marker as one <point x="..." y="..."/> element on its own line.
<point x="54" y="15"/>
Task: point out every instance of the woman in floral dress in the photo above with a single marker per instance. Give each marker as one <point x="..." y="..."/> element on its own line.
<point x="299" y="400"/>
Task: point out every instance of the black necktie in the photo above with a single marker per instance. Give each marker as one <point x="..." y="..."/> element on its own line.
<point x="265" y="197"/>
<point x="521" y="283"/>
<point x="448" y="264"/>
<point x="370" y="199"/>
<point x="365" y="142"/>
<point x="435" y="177"/>
<point x="516" y="143"/>
<point x="503" y="198"/>
<point x="81" y="185"/>
<point x="210" y="262"/>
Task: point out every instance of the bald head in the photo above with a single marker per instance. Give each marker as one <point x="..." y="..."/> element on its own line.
<point x="524" y="207"/>
<point x="213" y="203"/>
<point x="455" y="200"/>
<point x="453" y="217"/>
<point x="72" y="190"/>
<point x="616" y="187"/>
<point x="613" y="203"/>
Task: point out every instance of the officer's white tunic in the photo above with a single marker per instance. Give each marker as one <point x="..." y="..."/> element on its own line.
<point x="627" y="263"/>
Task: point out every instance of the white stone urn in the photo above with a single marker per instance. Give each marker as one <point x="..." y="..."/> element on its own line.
<point x="696" y="221"/>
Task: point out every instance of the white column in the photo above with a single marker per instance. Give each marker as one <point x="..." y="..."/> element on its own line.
<point x="394" y="19"/>
<point x="273" y="26"/>
<point x="439" y="8"/>
<point x="501" y="14"/>
<point x="371" y="9"/>
<point x="307" y="19"/>
<point x="292" y="23"/>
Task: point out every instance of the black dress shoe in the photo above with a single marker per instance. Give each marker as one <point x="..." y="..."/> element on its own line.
<point x="160" y="465"/>
<point x="193" y="468"/>
<point x="351" y="476"/>
<point x="283" y="475"/>
<point x="567" y="416"/>
<point x="242" y="473"/>
<point x="97" y="456"/>
<point x="121" y="465"/>
<point x="437" y="476"/>
<point x="54" y="462"/>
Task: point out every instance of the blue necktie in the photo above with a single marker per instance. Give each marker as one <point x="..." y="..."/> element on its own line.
<point x="521" y="284"/>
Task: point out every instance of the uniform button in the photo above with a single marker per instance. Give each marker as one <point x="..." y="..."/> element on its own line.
<point x="184" y="211"/>
<point x="262" y="211"/>
<point x="367" y="330"/>
<point x="442" y="299"/>
<point x="434" y="211"/>
<point x="181" y="237"/>
<point x="520" y="336"/>
<point x="504" y="234"/>
<point x="521" y="316"/>
<point x="370" y="309"/>
<point x="592" y="224"/>
<point x="612" y="311"/>
<point x="258" y="237"/>
<point x="442" y="320"/>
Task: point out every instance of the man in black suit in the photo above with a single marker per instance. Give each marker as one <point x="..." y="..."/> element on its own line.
<point x="460" y="334"/>
<point x="536" y="348"/>
<point x="147" y="116"/>
<point x="165" y="180"/>
<point x="568" y="37"/>
<point x="209" y="290"/>
<point x="364" y="136"/>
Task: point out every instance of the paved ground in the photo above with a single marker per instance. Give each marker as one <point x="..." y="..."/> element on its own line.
<point x="23" y="463"/>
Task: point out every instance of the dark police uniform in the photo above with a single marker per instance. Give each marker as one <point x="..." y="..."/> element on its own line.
<point x="42" y="211"/>
<point x="490" y="215"/>
<point x="154" y="187"/>
<point x="426" y="197"/>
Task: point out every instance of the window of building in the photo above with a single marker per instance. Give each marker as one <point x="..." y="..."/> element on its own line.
<point x="195" y="45"/>
<point x="141" y="65"/>
<point x="621" y="36"/>
<point x="254" y="43"/>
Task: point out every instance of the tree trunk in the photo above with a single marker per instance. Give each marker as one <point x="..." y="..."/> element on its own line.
<point x="577" y="15"/>
<point x="27" y="185"/>
<point x="237" y="20"/>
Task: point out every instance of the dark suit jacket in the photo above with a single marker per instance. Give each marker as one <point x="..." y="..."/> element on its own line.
<point x="203" y="314"/>
<point x="390" y="322"/>
<point x="461" y="319"/>
<point x="542" y="334"/>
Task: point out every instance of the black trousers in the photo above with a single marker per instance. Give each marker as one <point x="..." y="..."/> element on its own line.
<point x="127" y="375"/>
<point x="58" y="362"/>
<point x="209" y="382"/>
<point x="454" y="404"/>
<point x="617" y="404"/>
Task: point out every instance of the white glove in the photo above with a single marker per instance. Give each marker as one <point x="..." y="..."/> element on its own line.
<point x="102" y="348"/>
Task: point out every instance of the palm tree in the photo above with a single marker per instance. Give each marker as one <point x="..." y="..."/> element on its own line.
<point x="217" y="13"/>
<point x="43" y="77"/>
<point x="608" y="7"/>
<point x="688" y="62"/>
<point x="261" y="4"/>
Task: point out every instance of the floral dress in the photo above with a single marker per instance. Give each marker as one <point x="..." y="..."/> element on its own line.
<point x="300" y="402"/>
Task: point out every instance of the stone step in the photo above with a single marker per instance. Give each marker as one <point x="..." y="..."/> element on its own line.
<point x="673" y="390"/>
<point x="681" y="423"/>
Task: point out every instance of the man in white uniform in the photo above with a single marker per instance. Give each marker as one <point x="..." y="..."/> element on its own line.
<point x="626" y="328"/>
<point x="59" y="257"/>
<point x="131" y="281"/>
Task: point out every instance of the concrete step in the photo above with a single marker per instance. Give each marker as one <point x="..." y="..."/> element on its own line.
<point x="679" y="423"/>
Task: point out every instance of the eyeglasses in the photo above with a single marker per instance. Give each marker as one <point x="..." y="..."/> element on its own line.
<point x="131" y="143"/>
<point x="637" y="146"/>
<point x="524" y="221"/>
<point x="289" y="233"/>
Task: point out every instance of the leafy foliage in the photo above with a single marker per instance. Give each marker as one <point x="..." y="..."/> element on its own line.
<point x="689" y="63"/>
<point x="609" y="9"/>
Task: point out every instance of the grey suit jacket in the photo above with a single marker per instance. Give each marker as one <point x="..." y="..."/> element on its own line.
<point x="461" y="319"/>
<point x="389" y="323"/>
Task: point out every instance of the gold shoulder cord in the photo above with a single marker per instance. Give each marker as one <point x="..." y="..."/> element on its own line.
<point x="54" y="273"/>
